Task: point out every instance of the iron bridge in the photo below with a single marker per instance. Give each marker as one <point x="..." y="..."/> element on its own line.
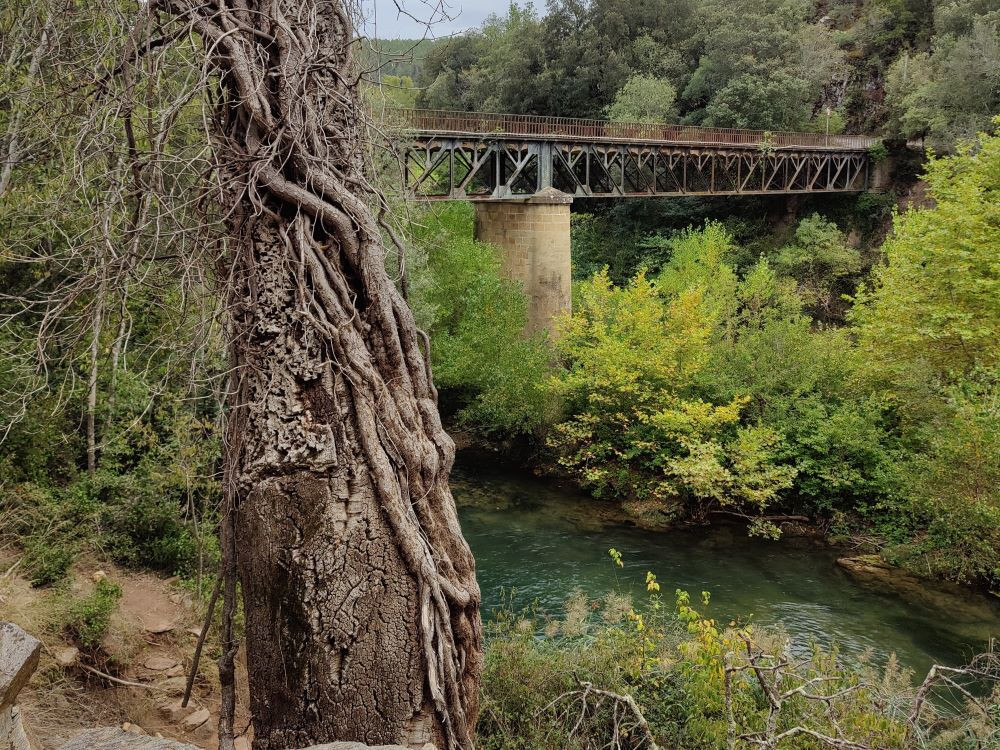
<point x="477" y="156"/>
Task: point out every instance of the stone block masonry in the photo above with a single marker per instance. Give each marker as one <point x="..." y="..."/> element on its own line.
<point x="533" y="235"/>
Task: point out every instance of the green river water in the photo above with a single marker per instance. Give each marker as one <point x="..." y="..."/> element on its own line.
<point x="541" y="541"/>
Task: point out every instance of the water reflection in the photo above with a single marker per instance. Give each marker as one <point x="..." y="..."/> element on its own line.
<point x="542" y="542"/>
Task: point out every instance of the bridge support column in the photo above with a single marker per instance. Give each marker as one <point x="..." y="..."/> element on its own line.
<point x="533" y="235"/>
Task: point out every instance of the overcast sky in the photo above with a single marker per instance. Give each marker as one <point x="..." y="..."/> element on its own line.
<point x="385" y="21"/>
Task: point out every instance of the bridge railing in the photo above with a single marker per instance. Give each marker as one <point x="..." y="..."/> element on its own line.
<point x="447" y="122"/>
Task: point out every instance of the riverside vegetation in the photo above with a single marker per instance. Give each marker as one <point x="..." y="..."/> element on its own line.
<point x="807" y="380"/>
<point x="714" y="365"/>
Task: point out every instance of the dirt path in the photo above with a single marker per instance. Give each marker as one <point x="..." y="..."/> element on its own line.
<point x="150" y="641"/>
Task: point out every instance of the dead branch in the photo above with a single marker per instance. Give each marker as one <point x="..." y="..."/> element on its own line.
<point x="591" y="699"/>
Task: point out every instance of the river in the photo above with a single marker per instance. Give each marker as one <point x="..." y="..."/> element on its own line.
<point x="542" y="541"/>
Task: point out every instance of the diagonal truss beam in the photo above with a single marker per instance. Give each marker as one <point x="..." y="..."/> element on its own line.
<point x="500" y="167"/>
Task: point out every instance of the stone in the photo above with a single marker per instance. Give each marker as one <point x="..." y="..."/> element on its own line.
<point x="873" y="572"/>
<point x="195" y="720"/>
<point x="173" y="685"/>
<point x="12" y="734"/>
<point x="158" y="625"/>
<point x="19" y="654"/>
<point x="113" y="738"/>
<point x="172" y="710"/>
<point x="533" y="235"/>
<point x="66" y="657"/>
<point x="159" y="663"/>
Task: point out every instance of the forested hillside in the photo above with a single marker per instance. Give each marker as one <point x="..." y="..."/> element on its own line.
<point x="820" y="367"/>
<point x="900" y="68"/>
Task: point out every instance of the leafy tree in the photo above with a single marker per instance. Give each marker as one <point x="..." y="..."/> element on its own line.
<point x="822" y="263"/>
<point x="955" y="486"/>
<point x="488" y="370"/>
<point x="637" y="430"/>
<point x="950" y="93"/>
<point x="750" y="73"/>
<point x="644" y="99"/>
<point x="932" y="312"/>
<point x="798" y="383"/>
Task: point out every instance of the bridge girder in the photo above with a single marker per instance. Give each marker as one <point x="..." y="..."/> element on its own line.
<point x="504" y="168"/>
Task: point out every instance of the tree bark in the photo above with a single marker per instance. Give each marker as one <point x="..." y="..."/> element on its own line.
<point x="360" y="597"/>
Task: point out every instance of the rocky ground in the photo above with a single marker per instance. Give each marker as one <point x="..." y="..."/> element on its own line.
<point x="136" y="679"/>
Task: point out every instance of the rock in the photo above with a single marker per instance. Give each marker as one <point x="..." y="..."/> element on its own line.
<point x="158" y="625"/>
<point x="172" y="711"/>
<point x="113" y="738"/>
<point x="66" y="657"/>
<point x="18" y="660"/>
<point x="99" y="575"/>
<point x="159" y="663"/>
<point x="19" y="654"/>
<point x="12" y="734"/>
<point x="195" y="720"/>
<point x="196" y="632"/>
<point x="876" y="573"/>
<point x="173" y="685"/>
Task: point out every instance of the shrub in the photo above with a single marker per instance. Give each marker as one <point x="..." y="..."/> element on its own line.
<point x="700" y="685"/>
<point x="638" y="432"/>
<point x="490" y="373"/>
<point x="86" y="619"/>
<point x="46" y="559"/>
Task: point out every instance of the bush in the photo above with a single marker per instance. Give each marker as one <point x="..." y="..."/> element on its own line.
<point x="46" y="559"/>
<point x="638" y="430"/>
<point x="86" y="619"/>
<point x="572" y="684"/>
<point x="490" y="374"/>
<point x="955" y="485"/>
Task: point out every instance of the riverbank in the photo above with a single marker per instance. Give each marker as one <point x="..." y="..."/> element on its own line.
<point x="541" y="538"/>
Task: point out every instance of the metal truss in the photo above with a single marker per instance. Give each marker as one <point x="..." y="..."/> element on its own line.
<point x="491" y="167"/>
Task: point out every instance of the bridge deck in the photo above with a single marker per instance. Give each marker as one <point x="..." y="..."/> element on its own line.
<point x="445" y="122"/>
<point x="487" y="156"/>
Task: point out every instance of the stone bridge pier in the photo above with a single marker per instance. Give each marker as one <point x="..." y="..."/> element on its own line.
<point x="533" y="236"/>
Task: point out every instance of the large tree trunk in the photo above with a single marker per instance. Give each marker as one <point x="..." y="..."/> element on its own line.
<point x="361" y="603"/>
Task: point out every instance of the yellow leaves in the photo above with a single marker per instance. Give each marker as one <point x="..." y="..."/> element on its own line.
<point x="630" y="342"/>
<point x="651" y="583"/>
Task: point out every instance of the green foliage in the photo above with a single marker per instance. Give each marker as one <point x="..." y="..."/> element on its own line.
<point x="488" y="370"/>
<point x="47" y="560"/>
<point x="822" y="263"/>
<point x="638" y="432"/>
<point x="934" y="308"/>
<point x="690" y="676"/>
<point x="86" y="619"/>
<point x="955" y="484"/>
<point x="644" y="99"/>
<point x="950" y="93"/>
<point x="398" y="91"/>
